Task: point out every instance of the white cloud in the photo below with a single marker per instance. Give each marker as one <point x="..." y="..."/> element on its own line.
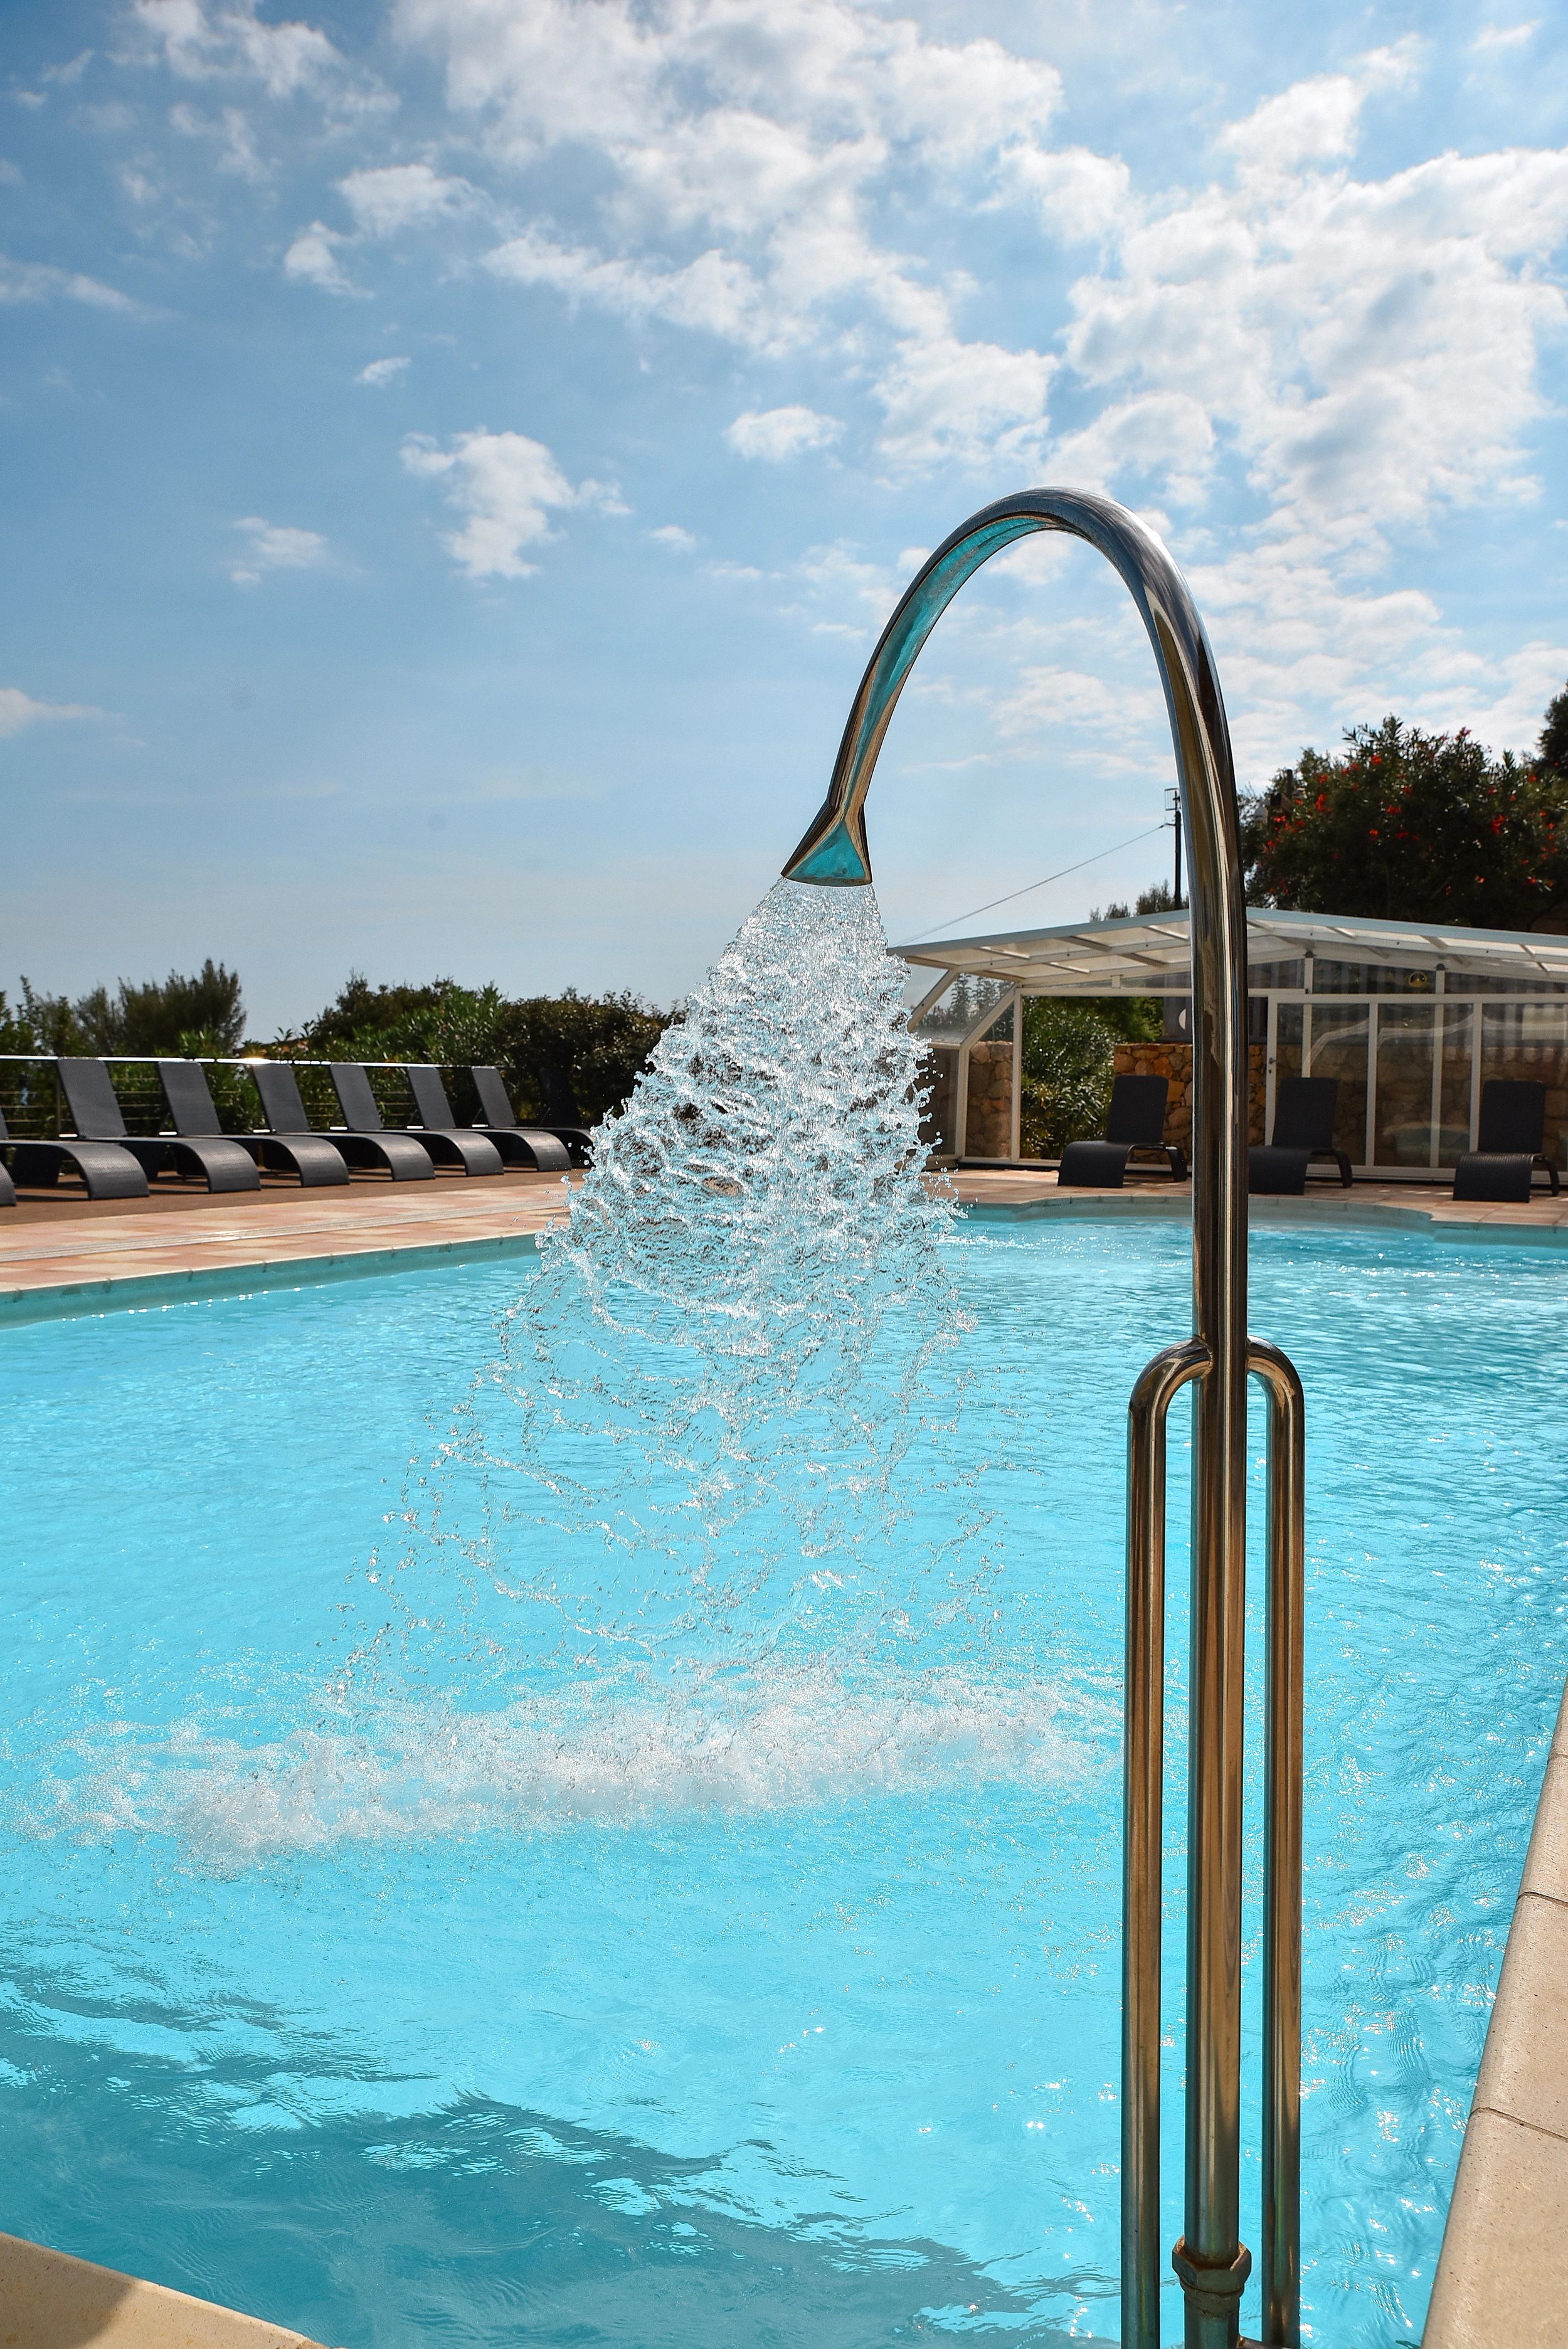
<point x="671" y="534"/>
<point x="507" y="486"/>
<point x="973" y="403"/>
<point x="1506" y="36"/>
<point x="381" y="372"/>
<point x="313" y="259"/>
<point x="756" y="131"/>
<point x="197" y="40"/>
<point x="402" y="195"/>
<point x="10" y="173"/>
<point x="773" y="434"/>
<point x="275" y="547"/>
<point x="712" y="293"/>
<point x="237" y="148"/>
<point x="34" y="281"/>
<point x="18" y="709"/>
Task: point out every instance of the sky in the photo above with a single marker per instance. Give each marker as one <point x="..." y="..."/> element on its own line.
<point x="459" y="454"/>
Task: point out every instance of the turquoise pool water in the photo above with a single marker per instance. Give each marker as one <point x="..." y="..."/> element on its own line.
<point x="517" y="1978"/>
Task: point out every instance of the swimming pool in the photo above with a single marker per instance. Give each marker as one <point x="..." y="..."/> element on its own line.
<point x="500" y="1972"/>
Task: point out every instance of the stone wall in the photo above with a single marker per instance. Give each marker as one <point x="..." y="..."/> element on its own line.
<point x="989" y="1132"/>
<point x="1175" y="1061"/>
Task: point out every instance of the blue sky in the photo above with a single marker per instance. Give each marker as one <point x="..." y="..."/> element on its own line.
<point x="460" y="453"/>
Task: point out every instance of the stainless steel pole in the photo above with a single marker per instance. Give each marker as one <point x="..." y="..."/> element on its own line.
<point x="1210" y="2258"/>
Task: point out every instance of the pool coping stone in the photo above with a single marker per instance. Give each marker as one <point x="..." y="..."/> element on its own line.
<point x="1503" y="2271"/>
<point x="49" y="2299"/>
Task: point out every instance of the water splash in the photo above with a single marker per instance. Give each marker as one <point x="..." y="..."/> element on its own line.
<point x="702" y="1412"/>
<point x="607" y="1753"/>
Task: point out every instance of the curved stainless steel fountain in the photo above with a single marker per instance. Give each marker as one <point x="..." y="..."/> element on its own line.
<point x="1210" y="2259"/>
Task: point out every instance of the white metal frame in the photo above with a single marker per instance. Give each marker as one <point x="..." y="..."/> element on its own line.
<point x="1449" y="996"/>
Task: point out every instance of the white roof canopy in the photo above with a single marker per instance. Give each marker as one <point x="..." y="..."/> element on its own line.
<point x="1150" y="954"/>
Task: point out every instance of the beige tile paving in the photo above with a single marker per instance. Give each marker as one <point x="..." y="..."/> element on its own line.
<point x="85" y="1248"/>
<point x="1503" y="2273"/>
<point x="50" y="2301"/>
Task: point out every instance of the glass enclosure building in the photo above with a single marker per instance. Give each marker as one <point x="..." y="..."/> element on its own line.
<point x="1411" y="1020"/>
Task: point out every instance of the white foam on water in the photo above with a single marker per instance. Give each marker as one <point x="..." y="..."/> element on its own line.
<point x="601" y="1756"/>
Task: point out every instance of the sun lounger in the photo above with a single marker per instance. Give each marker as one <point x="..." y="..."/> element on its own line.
<point x="311" y="1157"/>
<point x="436" y="1114"/>
<point x="548" y="1147"/>
<point x="1304" y="1110"/>
<point x="108" y="1172"/>
<point x="1509" y="1136"/>
<point x="285" y="1113"/>
<point x="446" y="1145"/>
<point x="1136" y="1122"/>
<point x="96" y="1113"/>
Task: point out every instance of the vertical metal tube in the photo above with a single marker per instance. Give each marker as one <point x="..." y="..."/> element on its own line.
<point x="1143" y="1825"/>
<point x="1284" y="1738"/>
<point x="1210" y="2258"/>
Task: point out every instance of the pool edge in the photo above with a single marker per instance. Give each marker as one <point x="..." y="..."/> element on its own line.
<point x="197" y="1284"/>
<point x="54" y="2301"/>
<point x="1502" y="2270"/>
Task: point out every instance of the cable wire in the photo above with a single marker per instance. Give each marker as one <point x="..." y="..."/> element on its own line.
<point x="1031" y="886"/>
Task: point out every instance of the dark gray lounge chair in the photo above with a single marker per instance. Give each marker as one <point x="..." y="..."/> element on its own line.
<point x="108" y="1172"/>
<point x="1136" y="1122"/>
<point x="449" y="1145"/>
<point x="1304" y="1110"/>
<point x="311" y="1157"/>
<point x="435" y="1115"/>
<point x="96" y="1113"/>
<point x="283" y="1109"/>
<point x="545" y="1146"/>
<point x="1509" y="1134"/>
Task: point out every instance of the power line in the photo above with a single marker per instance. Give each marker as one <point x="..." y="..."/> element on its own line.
<point x="1031" y="886"/>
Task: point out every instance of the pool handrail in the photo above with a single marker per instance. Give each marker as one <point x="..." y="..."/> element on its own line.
<point x="1210" y="2258"/>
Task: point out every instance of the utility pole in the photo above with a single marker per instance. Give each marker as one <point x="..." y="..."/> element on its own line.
<point x="1173" y="802"/>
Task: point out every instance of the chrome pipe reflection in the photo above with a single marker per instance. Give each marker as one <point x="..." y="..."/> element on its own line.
<point x="1210" y="2258"/>
<point x="1144" y="1831"/>
<point x="1284" y="1734"/>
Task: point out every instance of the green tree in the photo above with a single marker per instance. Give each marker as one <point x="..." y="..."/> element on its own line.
<point x="1552" y="752"/>
<point x="1068" y="1056"/>
<point x="1403" y="825"/>
<point x="567" y="1059"/>
<point x="149" y="1017"/>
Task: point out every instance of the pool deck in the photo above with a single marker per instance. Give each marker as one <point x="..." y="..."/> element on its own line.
<point x="72" y="1255"/>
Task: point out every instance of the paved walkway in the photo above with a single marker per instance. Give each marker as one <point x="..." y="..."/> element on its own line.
<point x="63" y="1255"/>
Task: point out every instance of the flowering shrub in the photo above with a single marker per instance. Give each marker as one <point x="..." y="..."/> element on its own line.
<point x="1403" y="825"/>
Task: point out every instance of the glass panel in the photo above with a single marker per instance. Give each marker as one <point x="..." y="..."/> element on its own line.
<point x="1405" y="1040"/>
<point x="953" y="1015"/>
<point x="1530" y="1040"/>
<point x="1287" y="1040"/>
<point x="1276" y="975"/>
<point x="1513" y="985"/>
<point x="1373" y="977"/>
<point x="1454" y="1099"/>
<point x="1339" y="1050"/>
